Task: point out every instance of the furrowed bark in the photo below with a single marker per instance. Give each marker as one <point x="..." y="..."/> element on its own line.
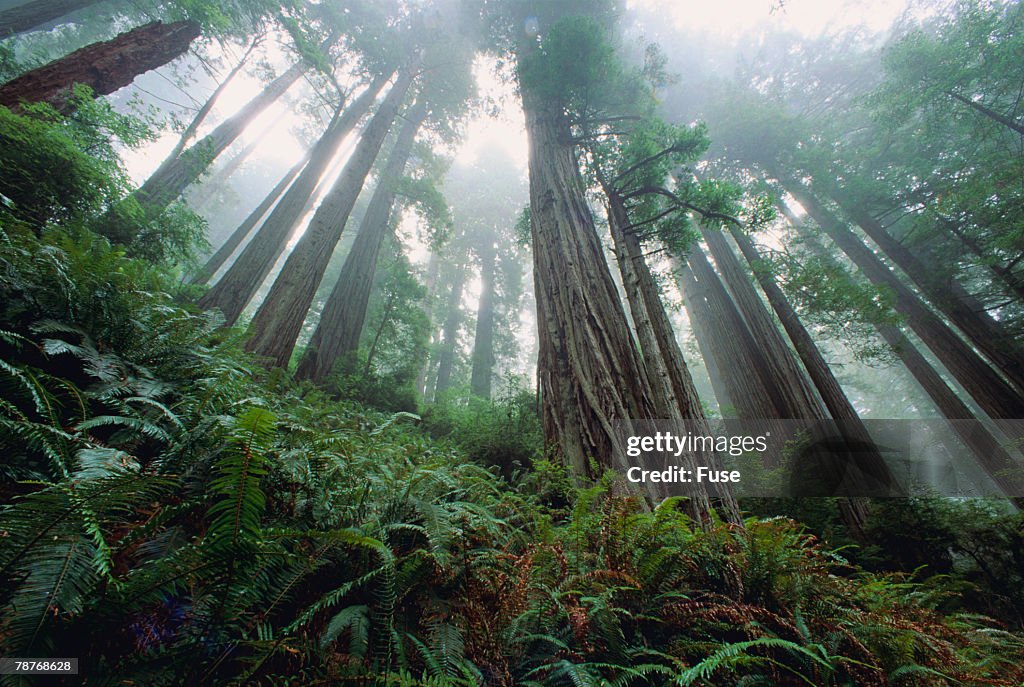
<point x="245" y="276"/>
<point x="341" y="322"/>
<point x="590" y="374"/>
<point x="277" y="323"/>
<point x="671" y="381"/>
<point x="740" y="359"/>
<point x="104" y="67"/>
<point x="665" y="401"/>
<point x="29" y="15"/>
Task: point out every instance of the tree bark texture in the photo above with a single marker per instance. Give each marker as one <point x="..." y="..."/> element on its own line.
<point x="949" y="296"/>
<point x="590" y="374"/>
<point x="662" y="393"/>
<point x="239" y="235"/>
<point x="849" y="422"/>
<point x="29" y="15"/>
<point x="341" y="321"/>
<point x="247" y="273"/>
<point x="104" y="67"/>
<point x="995" y="396"/>
<point x="279" y="319"/>
<point x="671" y="382"/>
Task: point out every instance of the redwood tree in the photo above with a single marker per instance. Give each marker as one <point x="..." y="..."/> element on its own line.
<point x="341" y="321"/>
<point x="277" y="323"/>
<point x="29" y="15"/>
<point x="245" y="276"/>
<point x="104" y="67"/>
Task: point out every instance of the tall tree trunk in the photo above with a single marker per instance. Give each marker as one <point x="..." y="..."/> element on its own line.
<point x="995" y="396"/>
<point x="644" y="297"/>
<point x="948" y="295"/>
<point x="104" y="67"/>
<point x="738" y="356"/>
<point x="225" y="171"/>
<point x="848" y="421"/>
<point x="590" y="374"/>
<point x="29" y="15"/>
<point x="994" y="459"/>
<point x="341" y="322"/>
<point x="828" y="386"/>
<point x="245" y="276"/>
<point x="663" y="395"/>
<point x="190" y="131"/>
<point x="228" y="248"/>
<point x="450" y="335"/>
<point x="385" y="319"/>
<point x="175" y="174"/>
<point x="989" y="112"/>
<point x="671" y="382"/>
<point x="279" y="319"/>
<point x="783" y="371"/>
<point x="433" y="268"/>
<point x="697" y="314"/>
<point x="483" y="339"/>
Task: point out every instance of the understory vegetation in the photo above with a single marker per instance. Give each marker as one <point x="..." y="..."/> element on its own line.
<point x="177" y="515"/>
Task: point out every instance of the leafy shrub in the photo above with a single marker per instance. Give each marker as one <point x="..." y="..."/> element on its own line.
<point x="505" y="433"/>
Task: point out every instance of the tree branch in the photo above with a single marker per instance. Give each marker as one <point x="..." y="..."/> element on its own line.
<point x="682" y="204"/>
<point x="649" y="159"/>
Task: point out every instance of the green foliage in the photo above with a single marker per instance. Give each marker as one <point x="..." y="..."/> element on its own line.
<point x="573" y="61"/>
<point x="830" y="297"/>
<point x="67" y="171"/>
<point x="63" y="169"/>
<point x="172" y="514"/>
<point x="504" y="433"/>
<point x="395" y="338"/>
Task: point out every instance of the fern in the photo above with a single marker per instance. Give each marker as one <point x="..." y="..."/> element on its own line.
<point x="735" y="654"/>
<point x="236" y="514"/>
<point x="353" y="619"/>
